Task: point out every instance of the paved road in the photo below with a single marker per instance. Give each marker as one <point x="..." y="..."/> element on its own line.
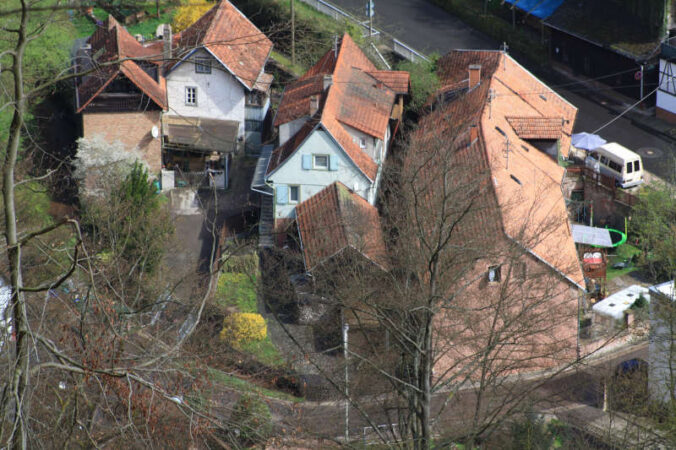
<point x="426" y="27"/>
<point x="421" y="24"/>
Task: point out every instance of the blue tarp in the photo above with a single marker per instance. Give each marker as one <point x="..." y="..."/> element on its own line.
<point x="537" y="8"/>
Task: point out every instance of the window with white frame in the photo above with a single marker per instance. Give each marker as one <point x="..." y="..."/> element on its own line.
<point x="362" y="142"/>
<point x="320" y="162"/>
<point x="202" y="65"/>
<point x="191" y="96"/>
<point x="294" y="194"/>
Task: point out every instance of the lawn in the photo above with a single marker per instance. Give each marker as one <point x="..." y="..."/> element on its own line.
<point x="147" y="27"/>
<point x="241" y="385"/>
<point x="285" y="62"/>
<point x="238" y="289"/>
<point x="85" y="27"/>
<point x="622" y="253"/>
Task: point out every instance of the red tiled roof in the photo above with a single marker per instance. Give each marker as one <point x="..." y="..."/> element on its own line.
<point x="355" y="98"/>
<point x="397" y="80"/>
<point x="141" y="79"/>
<point x="335" y="219"/>
<point x="356" y="154"/>
<point x="233" y="39"/>
<point x="111" y="43"/>
<point x="526" y="183"/>
<point x="361" y="103"/>
<point x="536" y="127"/>
<point x="296" y="101"/>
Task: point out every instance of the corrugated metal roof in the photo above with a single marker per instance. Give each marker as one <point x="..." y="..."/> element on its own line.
<point x="582" y="234"/>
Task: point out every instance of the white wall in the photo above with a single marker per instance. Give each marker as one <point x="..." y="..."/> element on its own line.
<point x="312" y="181"/>
<point x="287" y="130"/>
<point x="373" y="145"/>
<point x="219" y="95"/>
<point x="667" y="100"/>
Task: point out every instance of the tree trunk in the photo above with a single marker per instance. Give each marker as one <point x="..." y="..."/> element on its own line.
<point x="19" y="376"/>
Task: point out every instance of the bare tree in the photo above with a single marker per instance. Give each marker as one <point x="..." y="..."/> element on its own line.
<point x="92" y="344"/>
<point x="463" y="311"/>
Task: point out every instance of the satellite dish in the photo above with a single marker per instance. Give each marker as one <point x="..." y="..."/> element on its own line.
<point x="155" y="131"/>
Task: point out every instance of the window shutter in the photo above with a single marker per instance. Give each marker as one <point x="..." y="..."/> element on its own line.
<point x="333" y="162"/>
<point x="282" y="192"/>
<point x="307" y="162"/>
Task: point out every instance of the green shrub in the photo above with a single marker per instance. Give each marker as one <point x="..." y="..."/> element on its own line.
<point x="424" y="81"/>
<point x="252" y="419"/>
<point x="243" y="328"/>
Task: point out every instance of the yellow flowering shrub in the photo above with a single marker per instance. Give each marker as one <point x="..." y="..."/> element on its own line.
<point x="243" y="328"/>
<point x="188" y="14"/>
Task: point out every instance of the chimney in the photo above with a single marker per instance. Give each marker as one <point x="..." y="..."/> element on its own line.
<point x="166" y="39"/>
<point x="314" y="104"/>
<point x="328" y="80"/>
<point x="473" y="133"/>
<point x="474" y="75"/>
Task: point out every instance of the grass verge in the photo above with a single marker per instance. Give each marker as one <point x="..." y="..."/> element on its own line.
<point x="623" y="253"/>
<point x="241" y="385"/>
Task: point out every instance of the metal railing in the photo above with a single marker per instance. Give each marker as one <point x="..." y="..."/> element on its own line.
<point x="201" y="179"/>
<point x="395" y="45"/>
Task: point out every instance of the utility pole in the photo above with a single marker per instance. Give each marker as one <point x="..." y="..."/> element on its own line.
<point x="370" y="11"/>
<point x="293" y="33"/>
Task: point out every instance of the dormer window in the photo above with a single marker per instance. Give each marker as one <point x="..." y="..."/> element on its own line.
<point x="202" y="65"/>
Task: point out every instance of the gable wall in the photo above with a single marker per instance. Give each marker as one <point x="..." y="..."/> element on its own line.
<point x="219" y="95"/>
<point x="287" y="130"/>
<point x="312" y="181"/>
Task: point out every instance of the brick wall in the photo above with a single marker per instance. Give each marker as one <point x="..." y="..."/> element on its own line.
<point x="133" y="129"/>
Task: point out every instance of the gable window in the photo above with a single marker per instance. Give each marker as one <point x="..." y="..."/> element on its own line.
<point x="294" y="194"/>
<point x="320" y="162"/>
<point x="202" y="65"/>
<point x="362" y="142"/>
<point x="191" y="96"/>
<point x="493" y="274"/>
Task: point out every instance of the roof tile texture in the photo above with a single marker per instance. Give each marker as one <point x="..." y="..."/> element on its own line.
<point x="111" y="43"/>
<point x="233" y="39"/>
<point x="526" y="181"/>
<point x="358" y="96"/>
<point x="335" y="219"/>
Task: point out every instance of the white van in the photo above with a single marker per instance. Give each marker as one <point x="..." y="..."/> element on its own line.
<point x="617" y="161"/>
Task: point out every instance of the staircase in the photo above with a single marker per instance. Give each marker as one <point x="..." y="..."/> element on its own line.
<point x="266" y="223"/>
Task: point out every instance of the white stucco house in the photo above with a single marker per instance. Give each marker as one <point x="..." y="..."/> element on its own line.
<point x="217" y="91"/>
<point x="334" y="124"/>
